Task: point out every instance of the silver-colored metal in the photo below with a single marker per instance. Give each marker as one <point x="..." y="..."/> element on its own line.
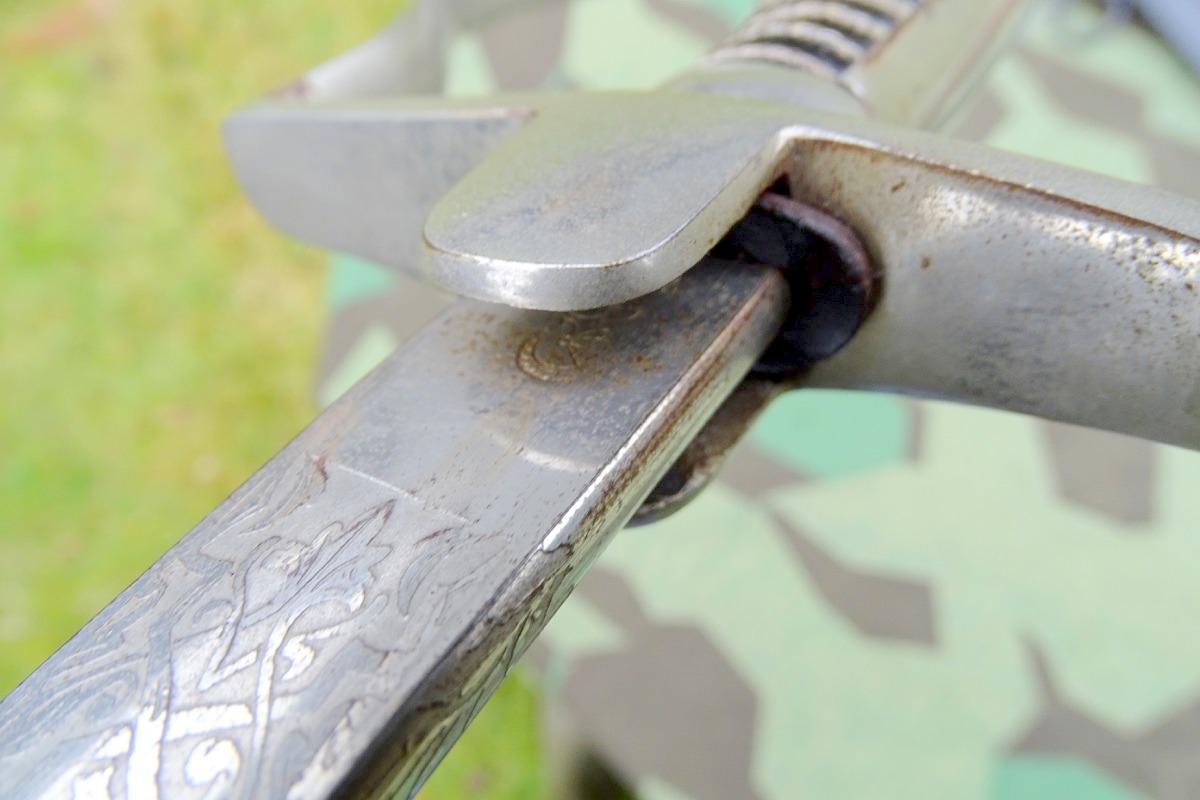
<point x="1015" y="283"/>
<point x="335" y="624"/>
<point x="407" y="56"/>
<point x="362" y="175"/>
<point x="1007" y="281"/>
<point x="597" y="198"/>
<point x="907" y="61"/>
<point x="1048" y="290"/>
<point x="701" y="461"/>
<point x="567" y="202"/>
<point x="601" y="198"/>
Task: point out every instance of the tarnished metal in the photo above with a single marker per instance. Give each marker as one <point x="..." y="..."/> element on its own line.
<point x="363" y="175"/>
<point x="600" y="199"/>
<point x="567" y="201"/>
<point x="699" y="464"/>
<point x="907" y="61"/>
<point x="1015" y="283"/>
<point x="335" y="624"/>
<point x="1007" y="281"/>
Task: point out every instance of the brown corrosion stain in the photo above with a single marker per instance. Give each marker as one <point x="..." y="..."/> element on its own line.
<point x="563" y="353"/>
<point x="832" y="189"/>
<point x="705" y="454"/>
<point x="699" y="386"/>
<point x="435" y="534"/>
<point x="570" y="346"/>
<point x="926" y="262"/>
<point x="319" y="463"/>
<point x="646" y="364"/>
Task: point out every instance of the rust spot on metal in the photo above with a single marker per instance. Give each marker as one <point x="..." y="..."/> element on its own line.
<point x="705" y="454"/>
<point x="1159" y="247"/>
<point x="926" y="262"/>
<point x="435" y="534"/>
<point x="698" y="387"/>
<point x="646" y="364"/>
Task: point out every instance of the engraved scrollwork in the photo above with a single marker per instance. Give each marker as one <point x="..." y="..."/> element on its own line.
<point x="189" y="698"/>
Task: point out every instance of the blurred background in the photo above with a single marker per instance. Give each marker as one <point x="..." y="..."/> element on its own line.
<point x="158" y="342"/>
<point x="920" y="599"/>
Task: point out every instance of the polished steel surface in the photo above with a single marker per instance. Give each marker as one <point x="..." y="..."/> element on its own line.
<point x="562" y="201"/>
<point x="1006" y="281"/>
<point x="361" y="176"/>
<point x="592" y="200"/>
<point x="335" y="624"/>
<point x="601" y="198"/>
<point x="1016" y="284"/>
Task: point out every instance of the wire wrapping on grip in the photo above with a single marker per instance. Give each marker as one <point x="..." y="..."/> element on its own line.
<point x="825" y="37"/>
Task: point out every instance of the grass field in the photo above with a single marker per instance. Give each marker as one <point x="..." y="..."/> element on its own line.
<point x="157" y="340"/>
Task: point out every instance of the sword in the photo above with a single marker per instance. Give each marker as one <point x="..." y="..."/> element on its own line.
<point x="333" y="626"/>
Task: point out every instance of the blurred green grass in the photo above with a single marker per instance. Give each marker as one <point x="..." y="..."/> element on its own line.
<point x="157" y="340"/>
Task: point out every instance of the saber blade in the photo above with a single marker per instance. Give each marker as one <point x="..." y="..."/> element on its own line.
<point x="333" y="626"/>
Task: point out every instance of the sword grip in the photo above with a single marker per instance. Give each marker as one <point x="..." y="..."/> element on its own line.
<point x="903" y="61"/>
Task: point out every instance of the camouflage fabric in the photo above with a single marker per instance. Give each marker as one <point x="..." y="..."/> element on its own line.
<point x="882" y="597"/>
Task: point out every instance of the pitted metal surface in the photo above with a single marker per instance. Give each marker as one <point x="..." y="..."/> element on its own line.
<point x="336" y="623"/>
<point x="1075" y="301"/>
<point x="562" y="201"/>
<point x="1079" y="303"/>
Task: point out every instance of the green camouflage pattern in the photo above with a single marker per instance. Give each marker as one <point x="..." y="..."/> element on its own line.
<point x="881" y="597"/>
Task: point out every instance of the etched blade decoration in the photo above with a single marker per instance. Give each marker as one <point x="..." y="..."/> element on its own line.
<point x="333" y="626"/>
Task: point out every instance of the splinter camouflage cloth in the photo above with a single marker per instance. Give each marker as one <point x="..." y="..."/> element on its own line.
<point x="881" y="598"/>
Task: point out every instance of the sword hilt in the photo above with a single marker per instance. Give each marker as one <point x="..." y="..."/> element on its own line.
<point x="562" y="202"/>
<point x="906" y="61"/>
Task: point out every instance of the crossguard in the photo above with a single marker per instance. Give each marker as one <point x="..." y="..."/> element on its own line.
<point x="905" y="61"/>
<point x="566" y="202"/>
<point x="332" y="627"/>
<point x="1007" y="281"/>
